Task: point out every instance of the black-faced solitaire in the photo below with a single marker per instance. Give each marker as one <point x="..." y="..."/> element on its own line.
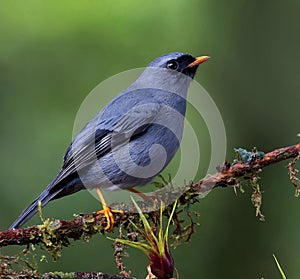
<point x="131" y="140"/>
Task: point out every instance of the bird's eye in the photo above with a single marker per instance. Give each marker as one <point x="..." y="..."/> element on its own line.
<point x="172" y="65"/>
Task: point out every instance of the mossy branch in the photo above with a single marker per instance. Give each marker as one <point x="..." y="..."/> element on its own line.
<point x="228" y="175"/>
<point x="85" y="225"/>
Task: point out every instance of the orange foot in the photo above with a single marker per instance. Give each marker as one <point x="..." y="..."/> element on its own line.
<point x="108" y="213"/>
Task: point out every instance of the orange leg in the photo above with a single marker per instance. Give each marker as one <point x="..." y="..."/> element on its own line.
<point x="142" y="195"/>
<point x="106" y="211"/>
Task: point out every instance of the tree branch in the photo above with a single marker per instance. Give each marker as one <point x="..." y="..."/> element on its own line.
<point x="55" y="234"/>
<point x="58" y="232"/>
<point x="228" y="175"/>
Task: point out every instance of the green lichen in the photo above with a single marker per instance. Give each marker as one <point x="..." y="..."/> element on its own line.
<point x="89" y="228"/>
<point x="51" y="241"/>
<point x="248" y="156"/>
<point x="256" y="196"/>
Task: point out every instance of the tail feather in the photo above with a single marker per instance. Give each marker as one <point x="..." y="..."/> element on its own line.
<point x="32" y="209"/>
<point x="58" y="188"/>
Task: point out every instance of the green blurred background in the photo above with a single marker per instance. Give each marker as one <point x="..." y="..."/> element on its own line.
<point x="53" y="53"/>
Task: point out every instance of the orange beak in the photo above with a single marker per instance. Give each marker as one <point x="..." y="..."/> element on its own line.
<point x="198" y="60"/>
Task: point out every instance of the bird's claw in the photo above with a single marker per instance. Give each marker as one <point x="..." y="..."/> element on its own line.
<point x="108" y="213"/>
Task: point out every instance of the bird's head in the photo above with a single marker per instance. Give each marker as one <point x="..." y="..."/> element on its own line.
<point x="170" y="72"/>
<point x="180" y="62"/>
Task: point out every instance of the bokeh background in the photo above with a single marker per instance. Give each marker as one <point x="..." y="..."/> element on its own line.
<point x="53" y="53"/>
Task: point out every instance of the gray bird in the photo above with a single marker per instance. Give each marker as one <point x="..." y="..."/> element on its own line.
<point x="131" y="140"/>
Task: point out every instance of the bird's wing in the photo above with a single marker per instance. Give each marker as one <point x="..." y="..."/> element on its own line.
<point x="135" y="121"/>
<point x="95" y="144"/>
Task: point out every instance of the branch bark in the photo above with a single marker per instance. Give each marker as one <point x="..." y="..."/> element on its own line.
<point x="60" y="275"/>
<point x="98" y="275"/>
<point x="60" y="231"/>
<point x="228" y="175"/>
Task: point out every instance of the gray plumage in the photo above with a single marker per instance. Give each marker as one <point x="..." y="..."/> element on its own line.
<point x="131" y="140"/>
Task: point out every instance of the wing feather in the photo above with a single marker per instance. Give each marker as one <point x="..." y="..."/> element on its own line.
<point x="94" y="141"/>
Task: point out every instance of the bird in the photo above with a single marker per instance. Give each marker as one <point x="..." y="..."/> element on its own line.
<point x="131" y="140"/>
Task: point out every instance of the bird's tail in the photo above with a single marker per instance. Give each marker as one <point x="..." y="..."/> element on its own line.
<point x="32" y="209"/>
